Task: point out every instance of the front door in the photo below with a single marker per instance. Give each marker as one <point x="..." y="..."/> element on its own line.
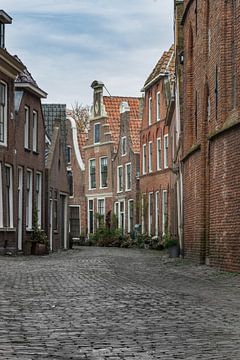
<point x="51" y="226"/>
<point x="63" y="221"/>
<point x="20" y="207"/>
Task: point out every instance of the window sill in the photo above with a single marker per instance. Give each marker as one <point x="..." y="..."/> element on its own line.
<point x="3" y="144"/>
<point x="29" y="230"/>
<point x="127" y="190"/>
<point x="92" y="189"/>
<point x="35" y="152"/>
<point x="103" y="188"/>
<point x="27" y="150"/>
<point x="7" y="229"/>
<point x="55" y="231"/>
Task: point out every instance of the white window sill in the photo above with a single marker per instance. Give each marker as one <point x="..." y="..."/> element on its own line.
<point x="103" y="188"/>
<point x="3" y="144"/>
<point x="29" y="229"/>
<point x="7" y="229"/>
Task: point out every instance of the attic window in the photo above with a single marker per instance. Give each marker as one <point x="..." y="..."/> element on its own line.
<point x="97" y="133"/>
<point x="123" y="146"/>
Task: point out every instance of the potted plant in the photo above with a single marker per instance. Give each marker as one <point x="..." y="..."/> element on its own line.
<point x="171" y="245"/>
<point x="38" y="237"/>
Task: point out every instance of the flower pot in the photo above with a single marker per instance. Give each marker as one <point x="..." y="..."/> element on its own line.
<point x="40" y="249"/>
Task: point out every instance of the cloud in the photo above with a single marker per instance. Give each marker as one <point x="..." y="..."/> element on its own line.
<point x="66" y="45"/>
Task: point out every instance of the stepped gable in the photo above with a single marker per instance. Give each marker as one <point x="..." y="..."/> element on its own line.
<point x="112" y="107"/>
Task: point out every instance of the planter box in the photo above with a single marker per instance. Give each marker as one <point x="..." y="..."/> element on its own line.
<point x="40" y="249"/>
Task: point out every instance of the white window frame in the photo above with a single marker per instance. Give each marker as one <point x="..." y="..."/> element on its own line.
<point x="39" y="209"/>
<point x="164" y="192"/>
<point x="124" y="138"/>
<point x="69" y="151"/>
<point x="35" y="131"/>
<point x="89" y="217"/>
<point x="157" y="213"/>
<point x="26" y="127"/>
<point x="150" y="111"/>
<point x="142" y="214"/>
<point x="116" y="211"/>
<point x="1" y="198"/>
<point x="11" y="196"/>
<point x="104" y="206"/>
<point x="123" y="212"/>
<point x="150" y="159"/>
<point x="118" y="183"/>
<point x="79" y="211"/>
<point x="129" y="202"/>
<point x="97" y="142"/>
<point x="126" y="177"/>
<point x="29" y="210"/>
<point x="166" y="152"/>
<point x="144" y="159"/>
<point x="89" y="174"/>
<point x="159" y="160"/>
<point x="158" y="104"/>
<point x="5" y="115"/>
<point x="100" y="172"/>
<point x="149" y="213"/>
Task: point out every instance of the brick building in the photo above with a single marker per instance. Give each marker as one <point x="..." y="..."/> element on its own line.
<point x="10" y="68"/>
<point x="76" y="140"/>
<point x="30" y="157"/>
<point x="57" y="192"/>
<point x="155" y="154"/>
<point x="211" y="132"/>
<point x="126" y="164"/>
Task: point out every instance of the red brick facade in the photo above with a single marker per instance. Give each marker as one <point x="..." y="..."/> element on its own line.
<point x="211" y="132"/>
<point x="155" y="152"/>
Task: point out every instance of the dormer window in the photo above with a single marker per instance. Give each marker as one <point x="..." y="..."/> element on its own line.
<point x="123" y="145"/>
<point x="97" y="133"/>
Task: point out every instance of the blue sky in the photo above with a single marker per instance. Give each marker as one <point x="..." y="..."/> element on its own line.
<point x="66" y="44"/>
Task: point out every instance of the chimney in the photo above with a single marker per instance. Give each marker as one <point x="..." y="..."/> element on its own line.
<point x="4" y="19"/>
<point x="97" y="87"/>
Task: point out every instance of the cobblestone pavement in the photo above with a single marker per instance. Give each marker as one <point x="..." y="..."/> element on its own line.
<point x="109" y="304"/>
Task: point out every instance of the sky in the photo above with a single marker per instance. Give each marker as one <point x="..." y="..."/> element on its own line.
<point x="67" y="44"/>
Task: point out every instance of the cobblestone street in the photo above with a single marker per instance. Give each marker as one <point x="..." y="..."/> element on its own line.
<point x="95" y="303"/>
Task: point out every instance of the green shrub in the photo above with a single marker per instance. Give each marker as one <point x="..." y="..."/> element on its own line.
<point x="168" y="241"/>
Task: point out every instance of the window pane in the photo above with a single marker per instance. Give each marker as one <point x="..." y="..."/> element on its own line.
<point x="96" y="133"/>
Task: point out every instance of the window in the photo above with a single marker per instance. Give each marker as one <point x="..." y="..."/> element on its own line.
<point x="128" y="177"/>
<point x="74" y="221"/>
<point x="208" y="105"/>
<point x="35" y="131"/>
<point x="234" y="53"/>
<point x="123" y="145"/>
<point x="69" y="154"/>
<point x="92" y="174"/>
<point x="29" y="203"/>
<point x="150" y="156"/>
<point x="2" y="36"/>
<point x="117" y="212"/>
<point x="101" y="211"/>
<point x="159" y="154"/>
<point x="104" y="172"/>
<point x="70" y="182"/>
<point x="150" y="111"/>
<point x="97" y="133"/>
<point x="150" y="213"/>
<point x="122" y="215"/>
<point x="158" y="106"/>
<point x="9" y="196"/>
<point x="39" y="198"/>
<point x="3" y="114"/>
<point x="26" y="128"/>
<point x="144" y="155"/>
<point x="216" y="90"/>
<point x="165" y="151"/>
<point x="55" y="211"/>
<point x="120" y="178"/>
<point x="156" y="213"/>
<point x="144" y="213"/>
<point x="130" y="216"/>
<point x="90" y="217"/>
<point x="1" y="198"/>
<point x="164" y="212"/>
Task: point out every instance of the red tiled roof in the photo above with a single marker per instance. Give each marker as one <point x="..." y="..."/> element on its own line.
<point x="112" y="107"/>
<point x="166" y="64"/>
<point x="82" y="138"/>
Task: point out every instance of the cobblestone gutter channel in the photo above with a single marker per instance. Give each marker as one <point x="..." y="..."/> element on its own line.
<point x="95" y="303"/>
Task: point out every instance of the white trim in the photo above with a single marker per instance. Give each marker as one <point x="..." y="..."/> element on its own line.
<point x="35" y="131"/>
<point x="144" y="159"/>
<point x="39" y="210"/>
<point x="65" y="220"/>
<point x="51" y="224"/>
<point x="166" y="157"/>
<point x="104" y="206"/>
<point x="26" y="127"/>
<point x="157" y="213"/>
<point x="33" y="88"/>
<point x="11" y="196"/>
<point x="1" y="198"/>
<point x="105" y="195"/>
<point x="129" y="201"/>
<point x="158" y="97"/>
<point x="89" y="216"/>
<point x="98" y="142"/>
<point x="126" y="180"/>
<point x="5" y="129"/>
<point x="150" y="168"/>
<point x="123" y="212"/>
<point x="100" y="172"/>
<point x="70" y="154"/>
<point x="149" y="213"/>
<point x="142" y="213"/>
<point x="75" y="143"/>
<point x="163" y="215"/>
<point x="150" y="110"/>
<point x="80" y="223"/>
<point x="89" y="175"/>
<point x="29" y="213"/>
<point x="159" y="161"/>
<point x="118" y="190"/>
